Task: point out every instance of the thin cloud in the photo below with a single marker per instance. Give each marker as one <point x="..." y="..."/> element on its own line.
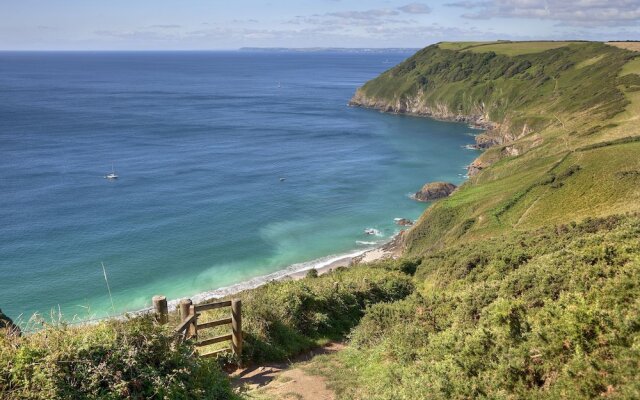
<point x="366" y="15"/>
<point x="415" y="8"/>
<point x="586" y="13"/>
<point x="165" y="26"/>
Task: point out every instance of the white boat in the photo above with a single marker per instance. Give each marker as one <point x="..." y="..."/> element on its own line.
<point x="112" y="175"/>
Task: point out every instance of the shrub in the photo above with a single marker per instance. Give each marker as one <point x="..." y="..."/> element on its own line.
<point x="133" y="359"/>
<point x="285" y="318"/>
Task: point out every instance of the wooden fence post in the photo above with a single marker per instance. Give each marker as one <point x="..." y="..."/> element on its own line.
<point x="193" y="328"/>
<point x="161" y="309"/>
<point x="236" y="327"/>
<point x="185" y="304"/>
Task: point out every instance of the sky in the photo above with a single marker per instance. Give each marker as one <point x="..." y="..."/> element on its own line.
<point x="231" y="24"/>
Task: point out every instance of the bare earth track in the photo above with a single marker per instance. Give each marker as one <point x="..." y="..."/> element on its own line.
<point x="287" y="381"/>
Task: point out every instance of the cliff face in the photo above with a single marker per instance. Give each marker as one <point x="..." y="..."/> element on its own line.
<point x="478" y="117"/>
<point x="416" y="105"/>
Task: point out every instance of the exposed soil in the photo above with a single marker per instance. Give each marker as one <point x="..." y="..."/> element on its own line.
<point x="286" y="381"/>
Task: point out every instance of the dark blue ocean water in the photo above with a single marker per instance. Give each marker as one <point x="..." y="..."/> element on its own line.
<point x="200" y="141"/>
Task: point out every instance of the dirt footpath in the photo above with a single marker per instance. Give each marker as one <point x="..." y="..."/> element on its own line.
<point x="286" y="381"/>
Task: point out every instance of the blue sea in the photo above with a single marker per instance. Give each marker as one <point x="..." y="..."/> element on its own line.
<point x="200" y="141"/>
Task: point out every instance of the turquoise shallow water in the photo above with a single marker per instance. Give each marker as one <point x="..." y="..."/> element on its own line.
<point x="200" y="141"/>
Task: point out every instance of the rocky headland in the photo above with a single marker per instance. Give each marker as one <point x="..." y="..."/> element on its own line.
<point x="495" y="134"/>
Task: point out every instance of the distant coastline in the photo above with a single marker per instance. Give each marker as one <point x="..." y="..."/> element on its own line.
<point x="369" y="50"/>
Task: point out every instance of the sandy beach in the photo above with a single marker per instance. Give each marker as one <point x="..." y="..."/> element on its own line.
<point x="391" y="249"/>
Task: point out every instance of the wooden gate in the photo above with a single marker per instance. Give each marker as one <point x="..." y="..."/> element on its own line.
<point x="189" y="327"/>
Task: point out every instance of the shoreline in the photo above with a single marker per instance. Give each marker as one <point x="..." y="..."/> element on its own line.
<point x="390" y="249"/>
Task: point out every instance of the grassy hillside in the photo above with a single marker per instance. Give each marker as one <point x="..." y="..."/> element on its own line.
<point x="565" y="132"/>
<point x="552" y="313"/>
<point x="528" y="276"/>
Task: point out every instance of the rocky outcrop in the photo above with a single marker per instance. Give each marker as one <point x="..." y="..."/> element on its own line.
<point x="484" y="141"/>
<point x="475" y="167"/>
<point x="7" y="323"/>
<point x="434" y="191"/>
<point x="403" y="222"/>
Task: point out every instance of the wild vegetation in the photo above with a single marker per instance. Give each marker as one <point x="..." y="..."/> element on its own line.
<point x="552" y="313"/>
<point x="282" y="319"/>
<point x="135" y="359"/>
<point x="139" y="359"/>
<point x="516" y="297"/>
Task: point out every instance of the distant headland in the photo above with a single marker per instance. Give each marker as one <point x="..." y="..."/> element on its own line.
<point x="373" y="50"/>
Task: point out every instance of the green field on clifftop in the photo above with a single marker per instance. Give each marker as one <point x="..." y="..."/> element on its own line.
<point x="506" y="48"/>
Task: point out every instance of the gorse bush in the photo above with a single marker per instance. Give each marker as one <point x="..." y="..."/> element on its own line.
<point x="133" y="359"/>
<point x="284" y="318"/>
<point x="553" y="313"/>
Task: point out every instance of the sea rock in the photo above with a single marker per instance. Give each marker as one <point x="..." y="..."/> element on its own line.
<point x="434" y="191"/>
<point x="7" y="323"/>
<point x="404" y="222"/>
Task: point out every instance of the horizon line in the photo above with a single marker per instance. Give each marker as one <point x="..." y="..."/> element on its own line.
<point x="218" y="49"/>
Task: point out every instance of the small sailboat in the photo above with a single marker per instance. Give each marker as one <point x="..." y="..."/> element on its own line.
<point x="112" y="175"/>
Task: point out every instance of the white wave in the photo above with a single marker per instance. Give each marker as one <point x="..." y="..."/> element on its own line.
<point x="365" y="243"/>
<point x="373" y="232"/>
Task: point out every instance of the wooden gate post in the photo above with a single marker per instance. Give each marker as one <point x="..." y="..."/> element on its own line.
<point x="236" y="327"/>
<point x="192" y="332"/>
<point x="161" y="309"/>
<point x="185" y="304"/>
